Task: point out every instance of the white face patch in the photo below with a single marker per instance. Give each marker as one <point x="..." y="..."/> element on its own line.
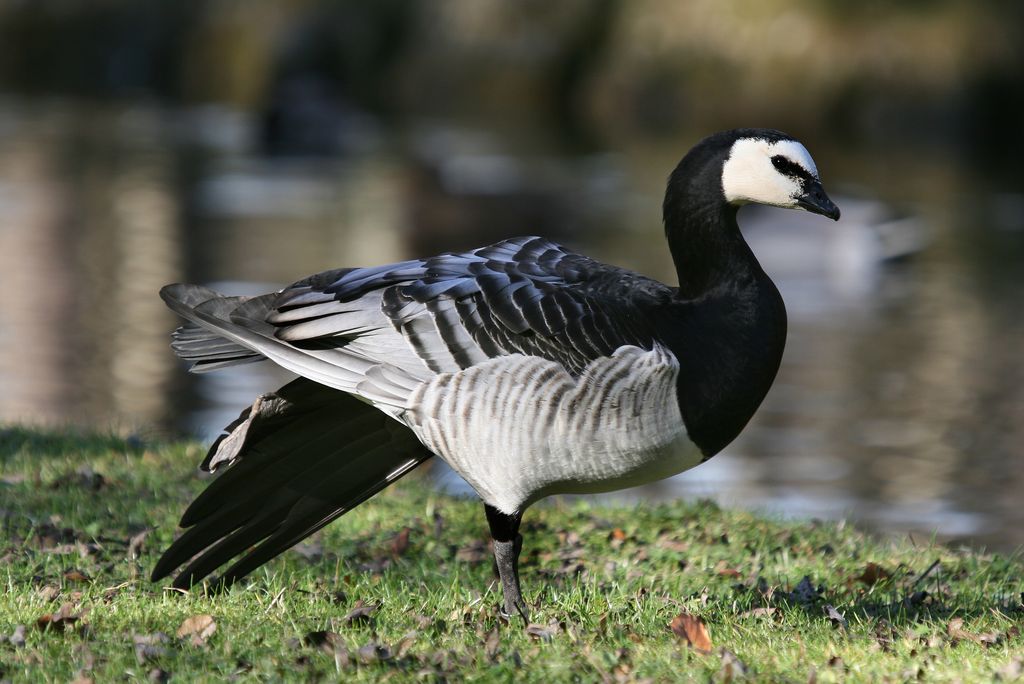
<point x="749" y="175"/>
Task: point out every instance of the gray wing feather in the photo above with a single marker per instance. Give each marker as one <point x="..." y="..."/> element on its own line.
<point x="243" y="322"/>
<point x="524" y="295"/>
<point x="207" y="351"/>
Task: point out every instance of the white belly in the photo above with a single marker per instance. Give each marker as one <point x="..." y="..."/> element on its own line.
<point x="519" y="428"/>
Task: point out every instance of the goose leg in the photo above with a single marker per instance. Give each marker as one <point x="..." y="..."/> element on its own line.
<point x="507" y="545"/>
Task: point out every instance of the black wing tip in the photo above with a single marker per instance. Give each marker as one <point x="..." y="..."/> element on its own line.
<point x="164" y="567"/>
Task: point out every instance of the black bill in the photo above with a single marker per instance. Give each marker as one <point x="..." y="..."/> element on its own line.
<point x="816" y="201"/>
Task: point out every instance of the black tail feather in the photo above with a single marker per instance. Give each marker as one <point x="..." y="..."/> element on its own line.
<point x="296" y="460"/>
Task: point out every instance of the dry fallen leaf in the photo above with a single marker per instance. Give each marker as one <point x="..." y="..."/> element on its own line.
<point x="492" y="643"/>
<point x="691" y="629"/>
<point x="325" y="640"/>
<point x="158" y="676"/>
<point x="75" y="575"/>
<point x="17" y="638"/>
<point x="834" y="616"/>
<point x="541" y="632"/>
<point x="987" y="639"/>
<point x="404" y="644"/>
<point x="199" y="627"/>
<point x="669" y="543"/>
<point x="135" y="544"/>
<point x="149" y="646"/>
<point x="872" y="574"/>
<point x="955" y="629"/>
<point x="759" y="612"/>
<point x="956" y="632"/>
<point x="400" y="543"/>
<point x="48" y="592"/>
<point x="732" y="667"/>
<point x="361" y="613"/>
<point x="373" y="652"/>
<point x="724" y="570"/>
<point x="65" y="618"/>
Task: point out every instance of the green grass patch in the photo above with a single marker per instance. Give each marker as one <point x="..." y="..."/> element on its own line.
<point x="403" y="589"/>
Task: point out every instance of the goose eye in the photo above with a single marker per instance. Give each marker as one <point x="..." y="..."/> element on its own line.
<point x="781" y="163"/>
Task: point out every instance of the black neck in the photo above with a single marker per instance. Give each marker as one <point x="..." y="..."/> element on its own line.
<point x="705" y="241"/>
<point x="729" y="330"/>
<point x="708" y="250"/>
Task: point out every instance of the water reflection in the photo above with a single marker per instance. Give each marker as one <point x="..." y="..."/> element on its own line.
<point x="900" y="400"/>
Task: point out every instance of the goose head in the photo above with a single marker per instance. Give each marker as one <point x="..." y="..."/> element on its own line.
<point x="718" y="175"/>
<point x="769" y="167"/>
<point x="743" y="166"/>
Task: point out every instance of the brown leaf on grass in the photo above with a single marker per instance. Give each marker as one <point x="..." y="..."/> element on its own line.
<point x="158" y="676"/>
<point x="48" y="592"/>
<point x="759" y="612"/>
<point x="732" y="667"/>
<point x="670" y="543"/>
<point x="723" y="569"/>
<point x="692" y="630"/>
<point x="136" y="542"/>
<point x="325" y="640"/>
<point x="149" y="646"/>
<point x="404" y="644"/>
<point x="616" y="538"/>
<point x="400" y="543"/>
<point x="17" y="637"/>
<point x="492" y="643"/>
<point x="956" y="632"/>
<point x="988" y="639"/>
<point x="372" y="653"/>
<point x="834" y="616"/>
<point x="75" y="575"/>
<point x="361" y="613"/>
<point x="569" y="538"/>
<point x="199" y="627"/>
<point x="885" y="635"/>
<point x="83" y="478"/>
<point x="872" y="574"/>
<point x="110" y="593"/>
<point x="64" y="619"/>
<point x="541" y="632"/>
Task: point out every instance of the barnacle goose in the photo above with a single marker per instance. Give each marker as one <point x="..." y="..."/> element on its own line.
<point x="530" y="369"/>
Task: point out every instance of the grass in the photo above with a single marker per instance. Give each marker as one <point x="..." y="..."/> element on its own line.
<point x="605" y="581"/>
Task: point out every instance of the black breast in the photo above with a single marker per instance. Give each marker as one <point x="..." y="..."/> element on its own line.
<point x="729" y="344"/>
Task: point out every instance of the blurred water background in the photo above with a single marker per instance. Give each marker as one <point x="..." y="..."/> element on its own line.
<point x="246" y="144"/>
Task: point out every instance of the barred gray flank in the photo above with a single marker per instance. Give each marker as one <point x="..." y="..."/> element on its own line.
<point x="519" y="428"/>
